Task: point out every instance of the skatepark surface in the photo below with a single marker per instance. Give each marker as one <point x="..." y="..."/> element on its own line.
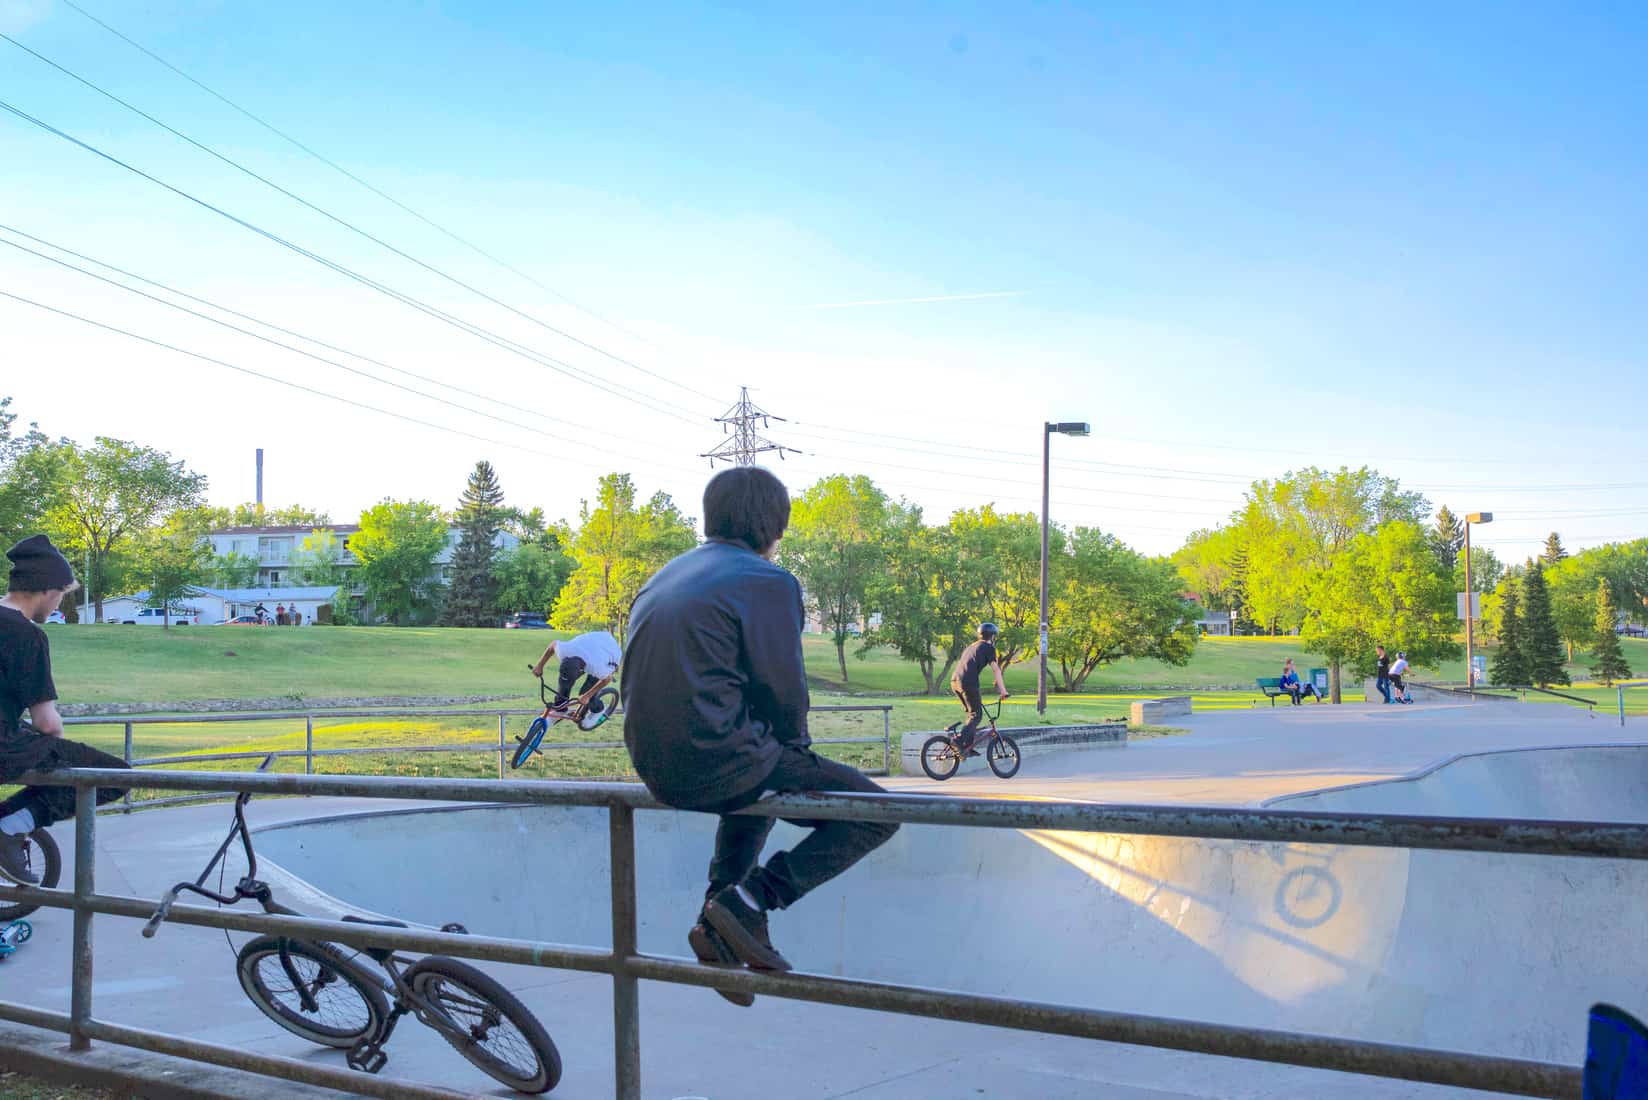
<point x="1485" y="953"/>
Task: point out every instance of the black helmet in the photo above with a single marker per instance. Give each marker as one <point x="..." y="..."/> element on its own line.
<point x="988" y="631"/>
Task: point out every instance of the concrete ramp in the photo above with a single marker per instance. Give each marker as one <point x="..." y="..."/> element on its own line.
<point x="1485" y="953"/>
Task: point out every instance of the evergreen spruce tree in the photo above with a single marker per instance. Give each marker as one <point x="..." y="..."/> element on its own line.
<point x="472" y="598"/>
<point x="1448" y="537"/>
<point x="1553" y="552"/>
<point x="1610" y="662"/>
<point x="1543" y="645"/>
<point x="1510" y="663"/>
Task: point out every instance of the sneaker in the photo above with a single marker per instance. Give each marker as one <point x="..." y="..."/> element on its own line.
<point x="14" y="860"/>
<point x="744" y="928"/>
<point x="711" y="950"/>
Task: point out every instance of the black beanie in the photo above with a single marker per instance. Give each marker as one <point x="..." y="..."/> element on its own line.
<point x="37" y="566"/>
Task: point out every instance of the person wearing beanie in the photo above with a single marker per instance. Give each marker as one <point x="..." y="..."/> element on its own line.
<point x="40" y="577"/>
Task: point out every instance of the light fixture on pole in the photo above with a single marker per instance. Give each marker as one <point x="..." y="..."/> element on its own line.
<point x="1470" y="602"/>
<point x="1068" y="427"/>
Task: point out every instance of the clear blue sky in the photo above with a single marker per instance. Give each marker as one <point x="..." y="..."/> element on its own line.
<point x="1237" y="240"/>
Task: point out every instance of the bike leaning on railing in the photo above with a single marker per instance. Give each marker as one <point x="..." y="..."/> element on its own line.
<point x="942" y="754"/>
<point x="319" y="993"/>
<point x="50" y="861"/>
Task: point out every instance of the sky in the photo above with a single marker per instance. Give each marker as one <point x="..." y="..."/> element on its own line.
<point x="1238" y="240"/>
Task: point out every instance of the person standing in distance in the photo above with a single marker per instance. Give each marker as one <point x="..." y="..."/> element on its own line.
<point x="715" y="703"/>
<point x="40" y="578"/>
<point x="965" y="683"/>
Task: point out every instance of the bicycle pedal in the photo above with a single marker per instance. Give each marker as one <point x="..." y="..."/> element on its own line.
<point x="365" y="1061"/>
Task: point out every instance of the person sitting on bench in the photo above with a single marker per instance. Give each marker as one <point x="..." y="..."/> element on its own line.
<point x="1293" y="686"/>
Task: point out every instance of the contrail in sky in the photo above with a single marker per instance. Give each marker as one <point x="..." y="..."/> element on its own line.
<point x="913" y="301"/>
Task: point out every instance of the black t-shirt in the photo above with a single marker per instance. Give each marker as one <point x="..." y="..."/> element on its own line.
<point x="1384" y="668"/>
<point x="25" y="667"/>
<point x="974" y="660"/>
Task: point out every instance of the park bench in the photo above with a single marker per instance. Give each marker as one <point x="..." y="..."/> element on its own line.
<point x="1271" y="688"/>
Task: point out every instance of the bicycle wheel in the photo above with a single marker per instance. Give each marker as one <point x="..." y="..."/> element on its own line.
<point x="490" y="1026"/>
<point x="529" y="744"/>
<point x="939" y="757"/>
<point x="50" y="861"/>
<point x="599" y="710"/>
<point x="1003" y="755"/>
<point x="350" y="1005"/>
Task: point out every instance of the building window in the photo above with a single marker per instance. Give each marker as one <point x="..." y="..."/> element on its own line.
<point x="274" y="577"/>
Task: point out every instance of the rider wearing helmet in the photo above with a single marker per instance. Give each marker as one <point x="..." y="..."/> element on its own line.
<point x="1397" y="669"/>
<point x="965" y="682"/>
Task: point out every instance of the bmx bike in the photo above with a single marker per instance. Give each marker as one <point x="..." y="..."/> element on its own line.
<point x="589" y="710"/>
<point x="320" y="992"/>
<point x="49" y="859"/>
<point x="942" y="754"/>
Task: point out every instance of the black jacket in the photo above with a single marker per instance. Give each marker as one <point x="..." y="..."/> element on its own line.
<point x="713" y="682"/>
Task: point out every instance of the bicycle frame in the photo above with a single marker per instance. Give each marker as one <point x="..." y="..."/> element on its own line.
<point x="575" y="707"/>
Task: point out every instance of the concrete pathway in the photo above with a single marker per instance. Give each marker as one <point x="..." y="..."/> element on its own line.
<point x="695" y="1045"/>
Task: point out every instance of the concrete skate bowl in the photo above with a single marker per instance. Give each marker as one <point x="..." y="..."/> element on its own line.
<point x="1481" y="953"/>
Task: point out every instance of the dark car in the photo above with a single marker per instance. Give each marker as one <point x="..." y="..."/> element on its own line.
<point x="526" y="620"/>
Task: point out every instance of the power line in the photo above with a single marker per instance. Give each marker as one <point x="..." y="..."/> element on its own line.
<point x="328" y="214"/>
<point x="743" y="442"/>
<point x="475" y="330"/>
<point x="308" y="354"/>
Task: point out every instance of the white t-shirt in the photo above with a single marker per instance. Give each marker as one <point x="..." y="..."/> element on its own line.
<point x="599" y="651"/>
<point x="1399" y="667"/>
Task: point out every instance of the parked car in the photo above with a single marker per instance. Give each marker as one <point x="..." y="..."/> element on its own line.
<point x="526" y="620"/>
<point x="240" y="620"/>
<point x="156" y="616"/>
<point x="56" y="617"/>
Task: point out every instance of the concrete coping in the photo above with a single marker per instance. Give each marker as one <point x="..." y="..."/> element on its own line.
<point x="1150" y="712"/>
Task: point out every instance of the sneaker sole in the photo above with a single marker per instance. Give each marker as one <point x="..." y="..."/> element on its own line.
<point x="748" y="949"/>
<point x="704" y="949"/>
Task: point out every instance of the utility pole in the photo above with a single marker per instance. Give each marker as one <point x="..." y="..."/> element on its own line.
<point x="1470" y="611"/>
<point x="1048" y="430"/>
<point x="743" y="441"/>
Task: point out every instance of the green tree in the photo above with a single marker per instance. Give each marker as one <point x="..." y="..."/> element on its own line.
<point x="110" y="492"/>
<point x="397" y="545"/>
<point x="1608" y="662"/>
<point x="1000" y="557"/>
<point x="1296" y="528"/>
<point x="531" y="576"/>
<point x="1572" y="582"/>
<point x="1542" y="644"/>
<point x="1625" y="565"/>
<point x="1114" y="602"/>
<point x="252" y="514"/>
<point x="234" y="570"/>
<point x="1553" y="551"/>
<point x="31" y="477"/>
<point x="1510" y="664"/>
<point x="172" y="560"/>
<point x="318" y="560"/>
<point x="927" y="609"/>
<point x="617" y="549"/>
<point x="472" y="598"/>
<point x="1448" y="538"/>
<point x="1386" y="586"/>
<point x="835" y="546"/>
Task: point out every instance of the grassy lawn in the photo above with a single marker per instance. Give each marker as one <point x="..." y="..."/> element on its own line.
<point x="15" y="1086"/>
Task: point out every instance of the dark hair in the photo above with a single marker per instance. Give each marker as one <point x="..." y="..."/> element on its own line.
<point x="746" y="504"/>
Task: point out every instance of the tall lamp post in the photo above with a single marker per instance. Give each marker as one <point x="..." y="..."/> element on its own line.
<point x="1069" y="427"/>
<point x="1470" y="610"/>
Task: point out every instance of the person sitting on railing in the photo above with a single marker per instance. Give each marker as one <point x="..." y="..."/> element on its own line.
<point x="40" y="578"/>
<point x="715" y="705"/>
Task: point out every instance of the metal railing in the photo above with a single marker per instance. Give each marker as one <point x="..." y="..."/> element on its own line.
<point x="309" y="752"/>
<point x="627" y="966"/>
<point x="1623" y="686"/>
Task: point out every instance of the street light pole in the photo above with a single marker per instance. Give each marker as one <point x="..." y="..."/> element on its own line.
<point x="1047" y="430"/>
<point x="1470" y="610"/>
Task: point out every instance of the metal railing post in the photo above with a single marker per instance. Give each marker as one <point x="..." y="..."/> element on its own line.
<point x="500" y="744"/>
<point x="85" y="885"/>
<point x="126" y="799"/>
<point x="1622" y="704"/>
<point x="308" y="744"/>
<point x="626" y="992"/>
<point x="887" y="741"/>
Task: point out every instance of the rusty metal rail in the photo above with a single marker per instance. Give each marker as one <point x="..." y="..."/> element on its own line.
<point x="628" y="967"/>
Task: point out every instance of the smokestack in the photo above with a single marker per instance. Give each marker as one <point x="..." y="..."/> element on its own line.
<point x="260" y="477"/>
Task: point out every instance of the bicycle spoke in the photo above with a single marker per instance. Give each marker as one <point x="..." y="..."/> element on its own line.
<point x="486" y="1026"/>
<point x="337" y="1005"/>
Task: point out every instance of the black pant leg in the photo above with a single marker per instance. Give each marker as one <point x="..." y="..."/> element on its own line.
<point x="53" y="804"/>
<point x="973" y="704"/>
<point x="831" y="847"/>
<point x="571" y="669"/>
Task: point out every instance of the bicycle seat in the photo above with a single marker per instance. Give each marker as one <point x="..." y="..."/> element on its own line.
<point x="381" y="923"/>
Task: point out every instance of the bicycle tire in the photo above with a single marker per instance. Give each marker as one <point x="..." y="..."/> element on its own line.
<point x="433" y="978"/>
<point x="1003" y="751"/>
<point x="356" y="1018"/>
<point x="937" y="752"/>
<point x="529" y="744"/>
<point x="608" y="698"/>
<point x="51" y="870"/>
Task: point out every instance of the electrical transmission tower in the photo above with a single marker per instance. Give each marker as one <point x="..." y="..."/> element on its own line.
<point x="743" y="442"/>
